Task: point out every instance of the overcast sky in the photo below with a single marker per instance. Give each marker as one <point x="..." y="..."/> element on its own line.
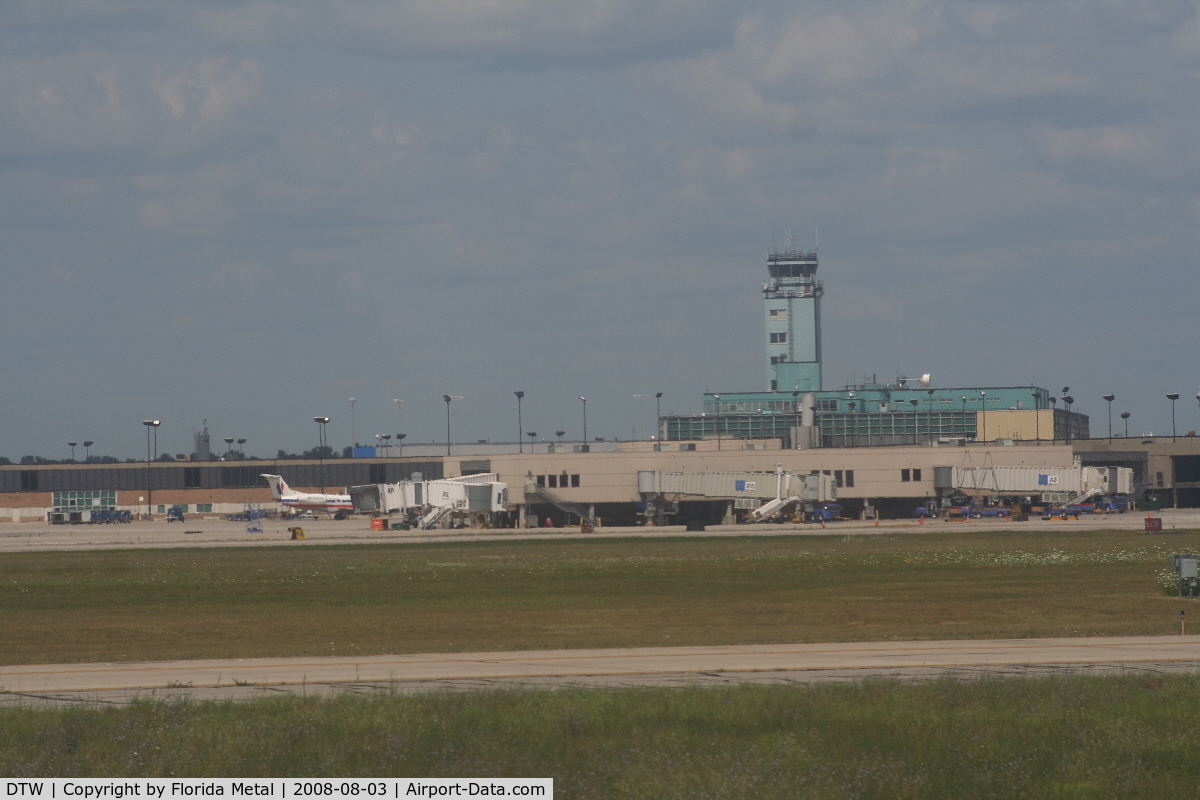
<point x="247" y="212"/>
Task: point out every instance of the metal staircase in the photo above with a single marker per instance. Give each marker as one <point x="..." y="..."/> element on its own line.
<point x="581" y="511"/>
<point x="773" y="507"/>
<point x="431" y="519"/>
<point x="1079" y="498"/>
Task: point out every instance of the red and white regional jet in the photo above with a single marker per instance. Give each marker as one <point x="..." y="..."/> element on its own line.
<point x="337" y="504"/>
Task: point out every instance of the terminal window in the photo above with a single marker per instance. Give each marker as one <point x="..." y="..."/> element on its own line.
<point x="905" y="475"/>
<point x="849" y="477"/>
<point x="85" y="501"/>
<point x="916" y="474"/>
<point x="778" y="338"/>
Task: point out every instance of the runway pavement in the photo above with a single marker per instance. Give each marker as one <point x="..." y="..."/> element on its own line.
<point x="649" y="666"/>
<point x="215" y="532"/>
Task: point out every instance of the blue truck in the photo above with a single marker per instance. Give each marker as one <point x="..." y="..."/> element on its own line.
<point x="993" y="511"/>
<point x="825" y="512"/>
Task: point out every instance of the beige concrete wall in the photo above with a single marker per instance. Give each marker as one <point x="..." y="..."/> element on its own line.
<point x="612" y="477"/>
<point x="1022" y="425"/>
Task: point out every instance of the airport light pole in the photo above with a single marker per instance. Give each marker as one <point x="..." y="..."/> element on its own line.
<point x="532" y="438"/>
<point x="1125" y="416"/>
<point x="321" y="423"/>
<point x="520" y="425"/>
<point x="72" y="446"/>
<point x="400" y="443"/>
<point x="584" y="401"/>
<point x="717" y="421"/>
<point x="1173" y="396"/>
<point x="929" y="399"/>
<point x="640" y="397"/>
<point x="353" y="438"/>
<point x="1109" y="398"/>
<point x="150" y="423"/>
<point x="1037" y="417"/>
<point x="242" y="448"/>
<point x="229" y="448"/>
<point x="916" y="433"/>
<point x="449" y="398"/>
<point x="658" y="431"/>
<point x="964" y="417"/>
<point x="983" y="414"/>
<point x="87" y="455"/>
<point x="559" y="434"/>
<point x="1068" y="401"/>
<point x="399" y="424"/>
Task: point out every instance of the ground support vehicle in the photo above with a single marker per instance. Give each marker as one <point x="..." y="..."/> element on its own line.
<point x="825" y="512"/>
<point x="110" y="516"/>
<point x="961" y="512"/>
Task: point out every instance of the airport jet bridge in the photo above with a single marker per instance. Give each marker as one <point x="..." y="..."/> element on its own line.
<point x="1052" y="483"/>
<point x="765" y="494"/>
<point x="428" y="503"/>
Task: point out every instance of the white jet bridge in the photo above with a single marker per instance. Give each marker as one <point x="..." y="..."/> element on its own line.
<point x="427" y="503"/>
<point x="780" y="489"/>
<point x="1075" y="483"/>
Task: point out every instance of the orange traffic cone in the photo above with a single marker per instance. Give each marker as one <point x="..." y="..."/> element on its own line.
<point x="920" y="520"/>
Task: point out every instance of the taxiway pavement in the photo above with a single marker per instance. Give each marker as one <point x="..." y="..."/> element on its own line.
<point x="646" y="666"/>
<point x="199" y="531"/>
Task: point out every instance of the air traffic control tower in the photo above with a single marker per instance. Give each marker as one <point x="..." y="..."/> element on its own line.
<point x="793" y="309"/>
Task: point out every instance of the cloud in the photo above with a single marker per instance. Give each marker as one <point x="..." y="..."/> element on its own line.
<point x="525" y="34"/>
<point x="590" y="178"/>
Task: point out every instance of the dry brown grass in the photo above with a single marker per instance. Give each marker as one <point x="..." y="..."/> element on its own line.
<point x="241" y="602"/>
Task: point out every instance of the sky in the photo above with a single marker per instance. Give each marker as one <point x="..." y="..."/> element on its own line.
<point x="248" y="212"/>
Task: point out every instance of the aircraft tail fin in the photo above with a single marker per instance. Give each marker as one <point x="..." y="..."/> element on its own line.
<point x="279" y="486"/>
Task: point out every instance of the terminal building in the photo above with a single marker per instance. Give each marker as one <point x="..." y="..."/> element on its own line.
<point x="797" y="410"/>
<point x="880" y="443"/>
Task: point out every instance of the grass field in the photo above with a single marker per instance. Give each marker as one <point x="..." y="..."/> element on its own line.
<point x="1128" y="737"/>
<point x="239" y="602"/>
